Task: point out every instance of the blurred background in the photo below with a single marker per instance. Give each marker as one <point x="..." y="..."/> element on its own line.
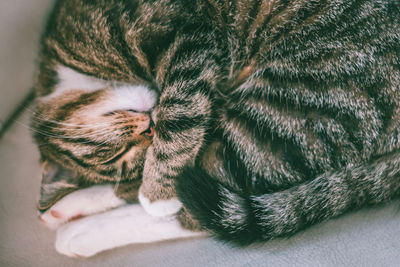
<point x="21" y="22"/>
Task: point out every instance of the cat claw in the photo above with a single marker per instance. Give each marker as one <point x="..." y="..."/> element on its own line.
<point x="160" y="208"/>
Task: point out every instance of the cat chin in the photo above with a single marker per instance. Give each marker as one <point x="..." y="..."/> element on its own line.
<point x="160" y="208"/>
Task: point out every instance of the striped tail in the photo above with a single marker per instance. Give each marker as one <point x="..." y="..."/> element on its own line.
<point x="243" y="219"/>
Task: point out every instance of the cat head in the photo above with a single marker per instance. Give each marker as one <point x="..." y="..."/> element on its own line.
<point x="91" y="128"/>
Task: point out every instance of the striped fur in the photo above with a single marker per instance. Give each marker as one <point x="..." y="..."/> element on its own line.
<point x="274" y="114"/>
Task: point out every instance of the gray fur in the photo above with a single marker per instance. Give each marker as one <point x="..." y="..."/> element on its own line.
<point x="297" y="103"/>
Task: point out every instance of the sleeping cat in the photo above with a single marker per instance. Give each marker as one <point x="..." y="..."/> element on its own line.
<point x="271" y="115"/>
<point x="67" y="195"/>
<point x="111" y="129"/>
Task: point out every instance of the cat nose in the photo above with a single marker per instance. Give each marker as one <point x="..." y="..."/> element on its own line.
<point x="149" y="132"/>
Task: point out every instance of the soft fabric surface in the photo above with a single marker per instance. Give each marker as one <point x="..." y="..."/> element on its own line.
<point x="21" y="22"/>
<point x="370" y="237"/>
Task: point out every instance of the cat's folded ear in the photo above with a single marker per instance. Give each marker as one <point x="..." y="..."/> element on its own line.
<point x="57" y="182"/>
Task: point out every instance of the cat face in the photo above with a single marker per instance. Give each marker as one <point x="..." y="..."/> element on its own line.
<point x="97" y="129"/>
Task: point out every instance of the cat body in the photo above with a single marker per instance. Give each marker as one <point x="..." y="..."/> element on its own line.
<point x="271" y="115"/>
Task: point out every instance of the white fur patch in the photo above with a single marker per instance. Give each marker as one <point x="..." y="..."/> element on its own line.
<point x="126" y="225"/>
<point x="83" y="202"/>
<point x="124" y="97"/>
<point x="69" y="79"/>
<point x="120" y="96"/>
<point x="160" y="208"/>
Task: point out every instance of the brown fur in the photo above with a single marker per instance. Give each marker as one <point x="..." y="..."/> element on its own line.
<point x="273" y="114"/>
<point x="99" y="153"/>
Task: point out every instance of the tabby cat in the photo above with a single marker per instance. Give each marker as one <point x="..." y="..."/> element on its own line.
<point x="269" y="115"/>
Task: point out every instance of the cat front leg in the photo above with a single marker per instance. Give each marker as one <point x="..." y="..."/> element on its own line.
<point x="119" y="227"/>
<point x="181" y="123"/>
<point x="80" y="203"/>
<point x="157" y="195"/>
<point x="187" y="79"/>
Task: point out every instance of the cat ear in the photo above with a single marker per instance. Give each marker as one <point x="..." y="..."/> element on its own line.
<point x="57" y="182"/>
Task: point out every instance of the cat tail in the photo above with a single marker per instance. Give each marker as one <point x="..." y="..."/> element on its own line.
<point x="242" y="218"/>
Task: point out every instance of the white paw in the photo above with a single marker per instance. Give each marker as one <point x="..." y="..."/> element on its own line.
<point x="99" y="232"/>
<point x="160" y="208"/>
<point x="129" y="224"/>
<point x="80" y="203"/>
<point x="53" y="218"/>
<point x="79" y="239"/>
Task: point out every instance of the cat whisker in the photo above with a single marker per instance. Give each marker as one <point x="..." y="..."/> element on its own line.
<point x="76" y="132"/>
<point x="93" y="132"/>
<point x="126" y="132"/>
<point x="92" y="126"/>
<point x="40" y="118"/>
<point x="75" y="137"/>
<point x="105" y="142"/>
<point x="119" y="175"/>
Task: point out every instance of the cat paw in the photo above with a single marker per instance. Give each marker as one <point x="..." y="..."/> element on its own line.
<point x="53" y="218"/>
<point x="76" y="240"/>
<point x="80" y="203"/>
<point x="160" y="208"/>
<point x="129" y="224"/>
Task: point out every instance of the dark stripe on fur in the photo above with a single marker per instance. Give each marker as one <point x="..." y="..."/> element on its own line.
<point x="247" y="217"/>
